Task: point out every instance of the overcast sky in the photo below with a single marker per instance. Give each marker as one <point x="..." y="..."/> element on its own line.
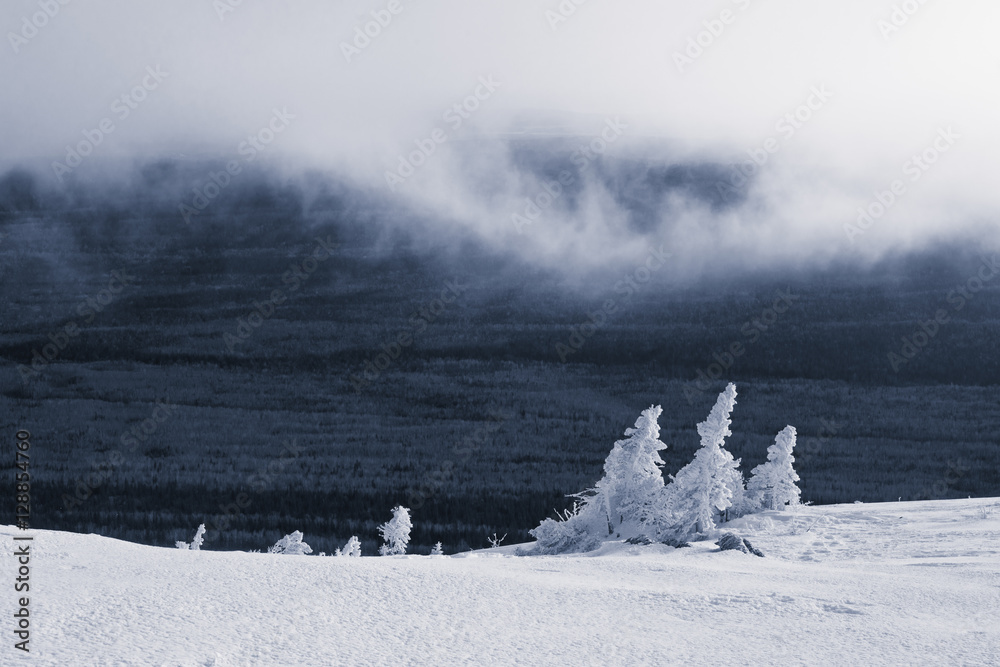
<point x="887" y="94"/>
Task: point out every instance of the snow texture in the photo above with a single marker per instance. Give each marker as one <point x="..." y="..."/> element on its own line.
<point x="870" y="584"/>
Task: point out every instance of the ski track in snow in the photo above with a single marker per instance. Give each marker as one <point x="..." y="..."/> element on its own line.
<point x="914" y="583"/>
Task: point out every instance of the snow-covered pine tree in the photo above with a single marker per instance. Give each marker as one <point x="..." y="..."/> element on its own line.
<point x="438" y="550"/>
<point x="291" y="545"/>
<point x="352" y="548"/>
<point x="626" y="502"/>
<point x="396" y="532"/>
<point x="199" y="538"/>
<point x="632" y="487"/>
<point x="772" y="484"/>
<point x="704" y="489"/>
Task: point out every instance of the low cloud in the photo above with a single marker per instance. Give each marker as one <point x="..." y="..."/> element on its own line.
<point x="685" y="171"/>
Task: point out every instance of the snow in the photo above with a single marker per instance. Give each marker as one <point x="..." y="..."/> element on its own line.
<point x="889" y="583"/>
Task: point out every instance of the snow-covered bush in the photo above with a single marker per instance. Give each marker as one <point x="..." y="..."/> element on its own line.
<point x="199" y="539"/>
<point x="352" y="548"/>
<point x="701" y="493"/>
<point x="438" y="550"/>
<point x="772" y="484"/>
<point x="571" y="534"/>
<point x="291" y="545"/>
<point x="396" y="532"/>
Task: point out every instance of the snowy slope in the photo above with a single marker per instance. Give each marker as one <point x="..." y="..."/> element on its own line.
<point x="862" y="584"/>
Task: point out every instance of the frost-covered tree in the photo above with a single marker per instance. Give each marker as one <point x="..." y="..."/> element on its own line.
<point x="291" y="545"/>
<point x="772" y="484"/>
<point x="199" y="539"/>
<point x="396" y="532"/>
<point x="438" y="550"/>
<point x="624" y="503"/>
<point x="703" y="490"/>
<point x="632" y="487"/>
<point x="352" y="548"/>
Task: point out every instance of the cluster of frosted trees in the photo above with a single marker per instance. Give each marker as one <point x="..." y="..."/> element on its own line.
<point x="632" y="501"/>
<point x="395" y="533"/>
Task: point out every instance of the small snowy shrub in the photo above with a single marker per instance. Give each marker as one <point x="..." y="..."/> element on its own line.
<point x="351" y="549"/>
<point x="196" y="543"/>
<point x="571" y="535"/>
<point x="438" y="550"/>
<point x="396" y="532"/>
<point x="291" y="545"/>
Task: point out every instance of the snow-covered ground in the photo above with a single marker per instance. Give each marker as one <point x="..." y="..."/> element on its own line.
<point x="863" y="584"/>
